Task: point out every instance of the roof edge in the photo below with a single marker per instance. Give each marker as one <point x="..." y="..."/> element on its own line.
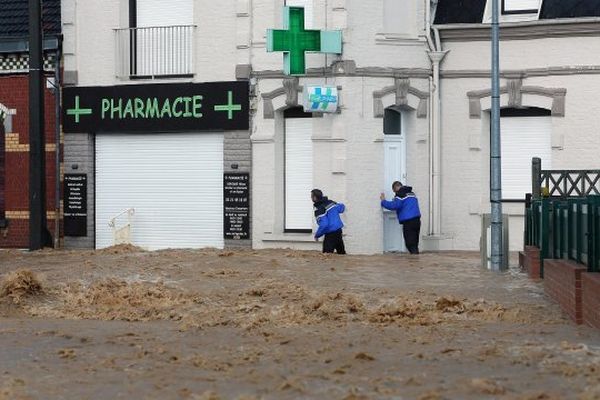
<point x="563" y="27"/>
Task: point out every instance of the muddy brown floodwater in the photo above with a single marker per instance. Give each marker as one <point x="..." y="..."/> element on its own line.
<point x="122" y="323"/>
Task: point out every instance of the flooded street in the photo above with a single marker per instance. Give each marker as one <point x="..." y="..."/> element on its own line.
<point x="122" y="323"/>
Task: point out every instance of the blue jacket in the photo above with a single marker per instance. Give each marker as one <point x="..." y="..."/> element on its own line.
<point x="327" y="213"/>
<point x="405" y="204"/>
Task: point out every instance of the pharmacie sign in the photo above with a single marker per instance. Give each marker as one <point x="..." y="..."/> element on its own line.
<point x="210" y="106"/>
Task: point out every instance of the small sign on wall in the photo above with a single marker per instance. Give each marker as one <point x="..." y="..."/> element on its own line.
<point x="75" y="204"/>
<point x="323" y="99"/>
<point x="236" y="206"/>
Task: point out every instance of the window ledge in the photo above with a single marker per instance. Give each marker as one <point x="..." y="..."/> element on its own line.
<point x="288" y="237"/>
<point x="398" y="39"/>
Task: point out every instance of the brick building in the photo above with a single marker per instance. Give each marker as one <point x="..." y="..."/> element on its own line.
<point x="14" y="118"/>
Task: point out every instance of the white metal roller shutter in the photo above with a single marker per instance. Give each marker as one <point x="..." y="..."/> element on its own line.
<point x="173" y="181"/>
<point x="298" y="173"/>
<point x="152" y="13"/>
<point x="522" y="139"/>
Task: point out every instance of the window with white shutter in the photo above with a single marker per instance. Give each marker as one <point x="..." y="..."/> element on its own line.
<point x="298" y="171"/>
<point x="525" y="134"/>
<point x="164" y="38"/>
<point x="309" y="22"/>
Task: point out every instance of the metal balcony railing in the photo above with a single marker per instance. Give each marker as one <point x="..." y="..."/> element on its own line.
<point x="155" y="52"/>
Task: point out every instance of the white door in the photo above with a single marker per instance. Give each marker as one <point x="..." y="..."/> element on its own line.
<point x="173" y="181"/>
<point x="522" y="139"/>
<point x="298" y="174"/>
<point x="394" y="170"/>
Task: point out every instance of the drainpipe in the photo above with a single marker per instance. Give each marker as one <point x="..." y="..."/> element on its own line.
<point x="435" y="207"/>
<point x="57" y="98"/>
<point x="436" y="55"/>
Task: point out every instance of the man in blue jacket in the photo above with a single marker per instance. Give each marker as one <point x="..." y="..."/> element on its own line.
<point x="327" y="213"/>
<point x="407" y="210"/>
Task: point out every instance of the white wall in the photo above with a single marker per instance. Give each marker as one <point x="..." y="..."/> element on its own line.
<point x="90" y="40"/>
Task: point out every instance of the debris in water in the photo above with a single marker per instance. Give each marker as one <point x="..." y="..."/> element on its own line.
<point x="19" y="284"/>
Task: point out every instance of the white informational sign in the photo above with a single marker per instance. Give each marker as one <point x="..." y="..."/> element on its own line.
<point x="322" y="99"/>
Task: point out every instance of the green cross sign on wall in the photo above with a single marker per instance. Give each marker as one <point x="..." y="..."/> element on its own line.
<point x="77" y="111"/>
<point x="295" y="41"/>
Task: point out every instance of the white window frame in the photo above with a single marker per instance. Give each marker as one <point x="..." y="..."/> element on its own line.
<point x="512" y="16"/>
<point x="545" y="154"/>
<point x="309" y="15"/>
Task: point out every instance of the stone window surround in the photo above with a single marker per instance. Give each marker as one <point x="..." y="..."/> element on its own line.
<point x="400" y="94"/>
<point x="515" y="90"/>
<point x="285" y="97"/>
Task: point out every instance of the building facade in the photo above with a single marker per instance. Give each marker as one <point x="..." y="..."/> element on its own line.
<point x="425" y="67"/>
<point x="413" y="80"/>
<point x="157" y="135"/>
<point x="14" y="122"/>
<point x="381" y="133"/>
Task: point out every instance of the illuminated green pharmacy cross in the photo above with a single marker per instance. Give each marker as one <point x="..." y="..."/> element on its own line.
<point x="77" y="112"/>
<point x="230" y="107"/>
<point x="295" y="41"/>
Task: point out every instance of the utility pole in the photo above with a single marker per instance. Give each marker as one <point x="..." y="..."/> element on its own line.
<point x="37" y="147"/>
<point x="495" y="149"/>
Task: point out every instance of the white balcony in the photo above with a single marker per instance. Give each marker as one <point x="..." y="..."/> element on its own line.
<point x="155" y="52"/>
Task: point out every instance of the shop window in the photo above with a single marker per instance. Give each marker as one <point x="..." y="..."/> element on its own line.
<point x="298" y="170"/>
<point x="525" y="133"/>
<point x="309" y="22"/>
<point x="399" y="17"/>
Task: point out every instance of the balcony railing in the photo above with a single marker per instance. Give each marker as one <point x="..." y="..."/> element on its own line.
<point x="155" y="52"/>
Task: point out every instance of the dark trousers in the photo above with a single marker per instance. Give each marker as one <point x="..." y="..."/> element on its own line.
<point x="334" y="241"/>
<point x="412" y="231"/>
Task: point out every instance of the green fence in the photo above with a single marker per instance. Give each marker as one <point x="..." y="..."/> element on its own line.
<point x="565" y="229"/>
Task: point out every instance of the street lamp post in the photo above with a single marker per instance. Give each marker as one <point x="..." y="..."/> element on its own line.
<point x="495" y="149"/>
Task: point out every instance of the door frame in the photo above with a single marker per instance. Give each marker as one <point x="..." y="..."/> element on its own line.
<point x="387" y="139"/>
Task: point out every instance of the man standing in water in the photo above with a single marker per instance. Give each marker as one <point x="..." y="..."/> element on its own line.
<point x="327" y="213"/>
<point x="407" y="210"/>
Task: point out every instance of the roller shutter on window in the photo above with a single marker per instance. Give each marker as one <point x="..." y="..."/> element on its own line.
<point x="298" y="174"/>
<point x="522" y="139"/>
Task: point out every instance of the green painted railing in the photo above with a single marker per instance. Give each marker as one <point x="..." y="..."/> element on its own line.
<point x="565" y="229"/>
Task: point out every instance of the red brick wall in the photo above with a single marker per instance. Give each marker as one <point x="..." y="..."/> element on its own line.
<point x="529" y="260"/>
<point x="562" y="282"/>
<point x="591" y="298"/>
<point x="14" y="94"/>
<point x="2" y="153"/>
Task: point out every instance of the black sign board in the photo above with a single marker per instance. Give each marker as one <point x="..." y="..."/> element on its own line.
<point x="236" y="205"/>
<point x="75" y="204"/>
<point x="221" y="106"/>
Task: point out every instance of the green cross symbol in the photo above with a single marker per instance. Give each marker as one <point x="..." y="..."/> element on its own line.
<point x="229" y="107"/>
<point x="295" y="41"/>
<point x="77" y="112"/>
